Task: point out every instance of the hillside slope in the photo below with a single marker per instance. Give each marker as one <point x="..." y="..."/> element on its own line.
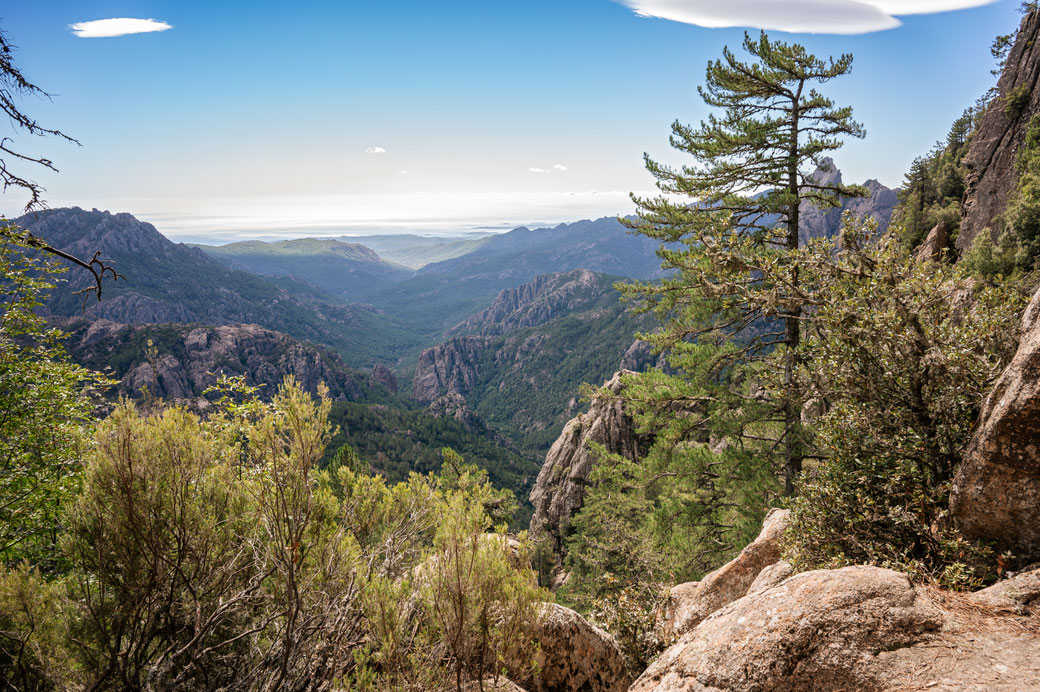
<point x="172" y="282"/>
<point x="343" y="269"/>
<point x="524" y="359"/>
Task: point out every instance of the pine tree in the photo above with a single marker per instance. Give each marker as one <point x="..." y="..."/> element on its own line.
<point x="736" y="219"/>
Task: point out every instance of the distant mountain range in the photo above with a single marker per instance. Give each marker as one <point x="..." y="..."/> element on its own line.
<point x="490" y="335"/>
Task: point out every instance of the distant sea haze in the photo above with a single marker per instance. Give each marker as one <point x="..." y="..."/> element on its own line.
<point x="212" y="221"/>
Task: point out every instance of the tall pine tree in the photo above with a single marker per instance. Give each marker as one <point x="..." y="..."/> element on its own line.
<point x="727" y="224"/>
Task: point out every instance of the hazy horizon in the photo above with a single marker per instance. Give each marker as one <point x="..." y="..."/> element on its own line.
<point x="441" y="119"/>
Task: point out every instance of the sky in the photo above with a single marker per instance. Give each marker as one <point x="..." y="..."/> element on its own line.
<point x="226" y="120"/>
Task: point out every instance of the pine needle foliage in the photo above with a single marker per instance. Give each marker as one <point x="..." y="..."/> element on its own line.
<point x="737" y="206"/>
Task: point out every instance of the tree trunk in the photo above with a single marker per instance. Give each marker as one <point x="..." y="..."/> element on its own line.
<point x="793" y="452"/>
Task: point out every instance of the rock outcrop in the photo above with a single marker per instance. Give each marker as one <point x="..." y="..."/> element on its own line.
<point x="453" y="405"/>
<point x="689" y="604"/>
<point x="560" y="489"/>
<point x="815" y="222"/>
<point x="536" y="302"/>
<point x="935" y="244"/>
<point x="996" y="491"/>
<point x="189" y="358"/>
<point x="383" y="375"/>
<point x="450" y="367"/>
<point x="856" y="628"/>
<point x="992" y="159"/>
<point x="574" y="656"/>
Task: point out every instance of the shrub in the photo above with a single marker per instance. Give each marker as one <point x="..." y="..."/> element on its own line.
<point x="900" y="356"/>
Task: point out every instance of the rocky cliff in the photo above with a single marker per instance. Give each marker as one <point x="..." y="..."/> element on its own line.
<point x="450" y="367"/>
<point x="993" y="156"/>
<point x="563" y="481"/>
<point x="188" y="358"/>
<point x="539" y="301"/>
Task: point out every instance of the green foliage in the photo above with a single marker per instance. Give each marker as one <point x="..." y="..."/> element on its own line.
<point x="933" y="188"/>
<point x="46" y="405"/>
<point x="1021" y="217"/>
<point x="214" y="555"/>
<point x="398" y="441"/>
<point x="480" y="606"/>
<point x="1015" y="102"/>
<point x="457" y="476"/>
<point x="899" y="357"/>
<point x="528" y="379"/>
<point x="737" y="222"/>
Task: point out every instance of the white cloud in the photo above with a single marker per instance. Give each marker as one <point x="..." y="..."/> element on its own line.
<point x="537" y="170"/>
<point x="117" y="26"/>
<point x="375" y="150"/>
<point x="802" y="16"/>
<point x="401" y="172"/>
<point x="560" y="167"/>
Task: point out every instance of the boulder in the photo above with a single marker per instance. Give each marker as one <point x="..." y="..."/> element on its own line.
<point x="574" y="656"/>
<point x="856" y="628"/>
<point x="1019" y="594"/>
<point x="996" y="490"/>
<point x="771" y="576"/>
<point x="935" y="244"/>
<point x="689" y="604"/>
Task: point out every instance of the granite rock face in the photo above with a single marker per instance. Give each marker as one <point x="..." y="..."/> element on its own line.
<point x="689" y="604"/>
<point x="450" y="367"/>
<point x="453" y="405"/>
<point x="189" y="358"/>
<point x="536" y="302"/>
<point x="996" y="491"/>
<point x="992" y="159"/>
<point x="815" y="222"/>
<point x="383" y="375"/>
<point x="856" y="628"/>
<point x="560" y="488"/>
<point x="935" y="244"/>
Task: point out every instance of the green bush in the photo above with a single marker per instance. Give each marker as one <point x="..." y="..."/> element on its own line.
<point x="901" y="355"/>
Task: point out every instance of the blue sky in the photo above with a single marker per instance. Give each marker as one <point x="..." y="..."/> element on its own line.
<point x="270" y="118"/>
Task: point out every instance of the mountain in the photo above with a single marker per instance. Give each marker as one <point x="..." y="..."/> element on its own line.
<point x="519" y="364"/>
<point x="342" y="269"/>
<point x="1007" y="129"/>
<point x="442" y="294"/>
<point x="826" y="223"/>
<point x="536" y="302"/>
<point x="173" y="282"/>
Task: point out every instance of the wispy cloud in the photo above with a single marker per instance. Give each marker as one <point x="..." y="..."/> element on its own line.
<point x="557" y="167"/>
<point x="117" y="26"/>
<point x="801" y="16"/>
<point x="375" y="150"/>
